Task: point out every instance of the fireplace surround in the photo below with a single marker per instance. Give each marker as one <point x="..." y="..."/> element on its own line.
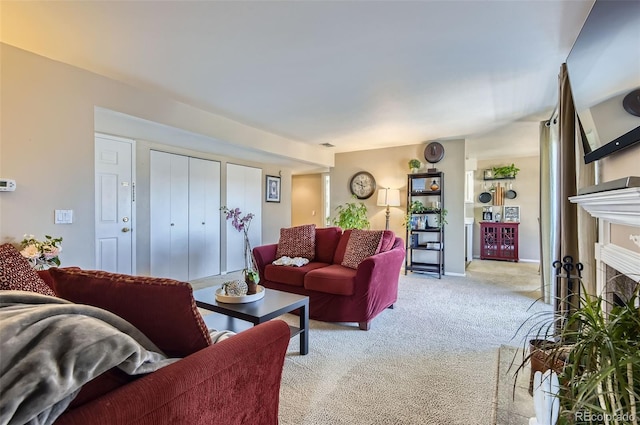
<point x="611" y="208"/>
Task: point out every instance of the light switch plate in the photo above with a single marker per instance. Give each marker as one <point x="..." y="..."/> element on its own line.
<point x="63" y="217"/>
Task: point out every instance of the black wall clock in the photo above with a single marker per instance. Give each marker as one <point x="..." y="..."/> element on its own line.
<point x="631" y="103"/>
<point x="362" y="185"/>
<point x="434" y="152"/>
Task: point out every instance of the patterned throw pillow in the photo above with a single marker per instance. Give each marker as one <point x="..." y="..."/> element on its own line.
<point x="16" y="273"/>
<point x="163" y="309"/>
<point x="299" y="241"/>
<point x="361" y="244"/>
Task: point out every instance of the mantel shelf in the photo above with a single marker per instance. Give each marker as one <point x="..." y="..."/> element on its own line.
<point x="621" y="206"/>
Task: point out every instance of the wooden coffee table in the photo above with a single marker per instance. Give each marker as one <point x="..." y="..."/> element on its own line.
<point x="240" y="317"/>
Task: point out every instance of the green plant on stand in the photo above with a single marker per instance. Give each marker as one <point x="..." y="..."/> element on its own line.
<point x="599" y="358"/>
<point x="417" y="207"/>
<point x="351" y="215"/>
<point x="508" y="171"/>
<point x="441" y="218"/>
<point x="414" y="164"/>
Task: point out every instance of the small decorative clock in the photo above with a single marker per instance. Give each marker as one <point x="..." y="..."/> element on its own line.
<point x="362" y="185"/>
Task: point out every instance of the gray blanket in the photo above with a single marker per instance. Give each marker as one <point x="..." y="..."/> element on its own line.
<point x="50" y="347"/>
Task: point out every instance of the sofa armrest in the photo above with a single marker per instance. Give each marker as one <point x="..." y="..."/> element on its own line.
<point x="48" y="279"/>
<point x="236" y="381"/>
<point x="264" y="255"/>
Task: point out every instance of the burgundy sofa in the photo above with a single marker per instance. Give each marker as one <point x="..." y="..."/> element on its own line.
<point x="338" y="293"/>
<point x="235" y="381"/>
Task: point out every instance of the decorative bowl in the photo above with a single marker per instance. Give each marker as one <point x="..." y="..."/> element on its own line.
<point x="231" y="299"/>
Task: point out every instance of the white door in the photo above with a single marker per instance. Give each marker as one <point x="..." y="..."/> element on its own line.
<point x="204" y="218"/>
<point x="169" y="210"/>
<point x="244" y="191"/>
<point x="114" y="214"/>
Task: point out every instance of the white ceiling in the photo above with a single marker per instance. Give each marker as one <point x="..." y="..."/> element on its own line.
<point x="356" y="74"/>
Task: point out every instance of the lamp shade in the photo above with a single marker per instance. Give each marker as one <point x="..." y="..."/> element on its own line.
<point x="388" y="197"/>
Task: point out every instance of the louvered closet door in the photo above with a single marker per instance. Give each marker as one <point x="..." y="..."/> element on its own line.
<point x="204" y="218"/>
<point x="169" y="206"/>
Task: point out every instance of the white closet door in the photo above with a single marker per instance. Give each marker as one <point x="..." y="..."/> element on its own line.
<point x="244" y="191"/>
<point x="204" y="218"/>
<point x="169" y="206"/>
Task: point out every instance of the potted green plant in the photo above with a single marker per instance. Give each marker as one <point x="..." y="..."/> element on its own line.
<point x="507" y="171"/>
<point x="351" y="215"/>
<point x="414" y="165"/>
<point x="597" y="357"/>
<point x="417" y="207"/>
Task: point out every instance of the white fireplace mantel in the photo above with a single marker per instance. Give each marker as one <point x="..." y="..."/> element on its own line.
<point x="620" y="206"/>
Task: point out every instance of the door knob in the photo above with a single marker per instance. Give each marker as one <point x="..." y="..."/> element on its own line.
<point x="125" y="229"/>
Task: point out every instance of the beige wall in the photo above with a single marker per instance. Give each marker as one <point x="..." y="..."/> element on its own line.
<point x="389" y="167"/>
<point x="306" y="200"/>
<point x="527" y="186"/>
<point x="47" y="146"/>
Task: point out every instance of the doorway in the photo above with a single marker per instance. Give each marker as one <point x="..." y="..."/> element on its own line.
<point x="114" y="204"/>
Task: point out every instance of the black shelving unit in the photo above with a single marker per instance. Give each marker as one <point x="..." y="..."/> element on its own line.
<point x="424" y="234"/>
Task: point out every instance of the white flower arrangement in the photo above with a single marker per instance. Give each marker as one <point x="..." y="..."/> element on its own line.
<point x="41" y="254"/>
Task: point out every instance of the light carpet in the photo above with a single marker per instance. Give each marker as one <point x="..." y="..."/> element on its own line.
<point x="430" y="360"/>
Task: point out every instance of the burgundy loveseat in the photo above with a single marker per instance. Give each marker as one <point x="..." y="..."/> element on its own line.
<point x="235" y="381"/>
<point x="338" y="293"/>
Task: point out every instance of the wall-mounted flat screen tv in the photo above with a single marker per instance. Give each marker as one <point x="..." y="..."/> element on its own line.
<point x="604" y="72"/>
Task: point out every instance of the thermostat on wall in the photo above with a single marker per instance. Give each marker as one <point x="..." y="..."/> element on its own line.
<point x="7" y="185"/>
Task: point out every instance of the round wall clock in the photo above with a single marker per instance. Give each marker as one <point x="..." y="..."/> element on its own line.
<point x="434" y="152"/>
<point x="362" y="185"/>
<point x="631" y="103"/>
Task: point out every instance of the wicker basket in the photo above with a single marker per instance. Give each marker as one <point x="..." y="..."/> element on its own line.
<point x="545" y="355"/>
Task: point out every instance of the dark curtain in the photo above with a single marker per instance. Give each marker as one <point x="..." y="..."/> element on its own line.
<point x="571" y="225"/>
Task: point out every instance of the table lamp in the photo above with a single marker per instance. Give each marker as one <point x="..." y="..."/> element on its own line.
<point x="388" y="198"/>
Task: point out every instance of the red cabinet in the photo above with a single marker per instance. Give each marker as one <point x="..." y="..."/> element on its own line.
<point x="499" y="241"/>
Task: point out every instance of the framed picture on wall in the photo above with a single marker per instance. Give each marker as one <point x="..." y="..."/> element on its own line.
<point x="272" y="190"/>
<point x="512" y="214"/>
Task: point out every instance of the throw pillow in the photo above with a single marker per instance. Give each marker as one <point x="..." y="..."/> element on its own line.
<point x="299" y="241"/>
<point x="163" y="309"/>
<point x="16" y="273"/>
<point x="361" y="244"/>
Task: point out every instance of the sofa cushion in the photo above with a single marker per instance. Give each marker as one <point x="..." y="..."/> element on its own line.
<point x="342" y="247"/>
<point x="290" y="275"/>
<point x="333" y="279"/>
<point x="327" y="239"/>
<point x="16" y="273"/>
<point x="299" y="241"/>
<point x="163" y="309"/>
<point x="362" y="244"/>
<point x="388" y="239"/>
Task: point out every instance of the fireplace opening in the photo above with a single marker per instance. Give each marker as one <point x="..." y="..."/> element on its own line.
<point x="619" y="288"/>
